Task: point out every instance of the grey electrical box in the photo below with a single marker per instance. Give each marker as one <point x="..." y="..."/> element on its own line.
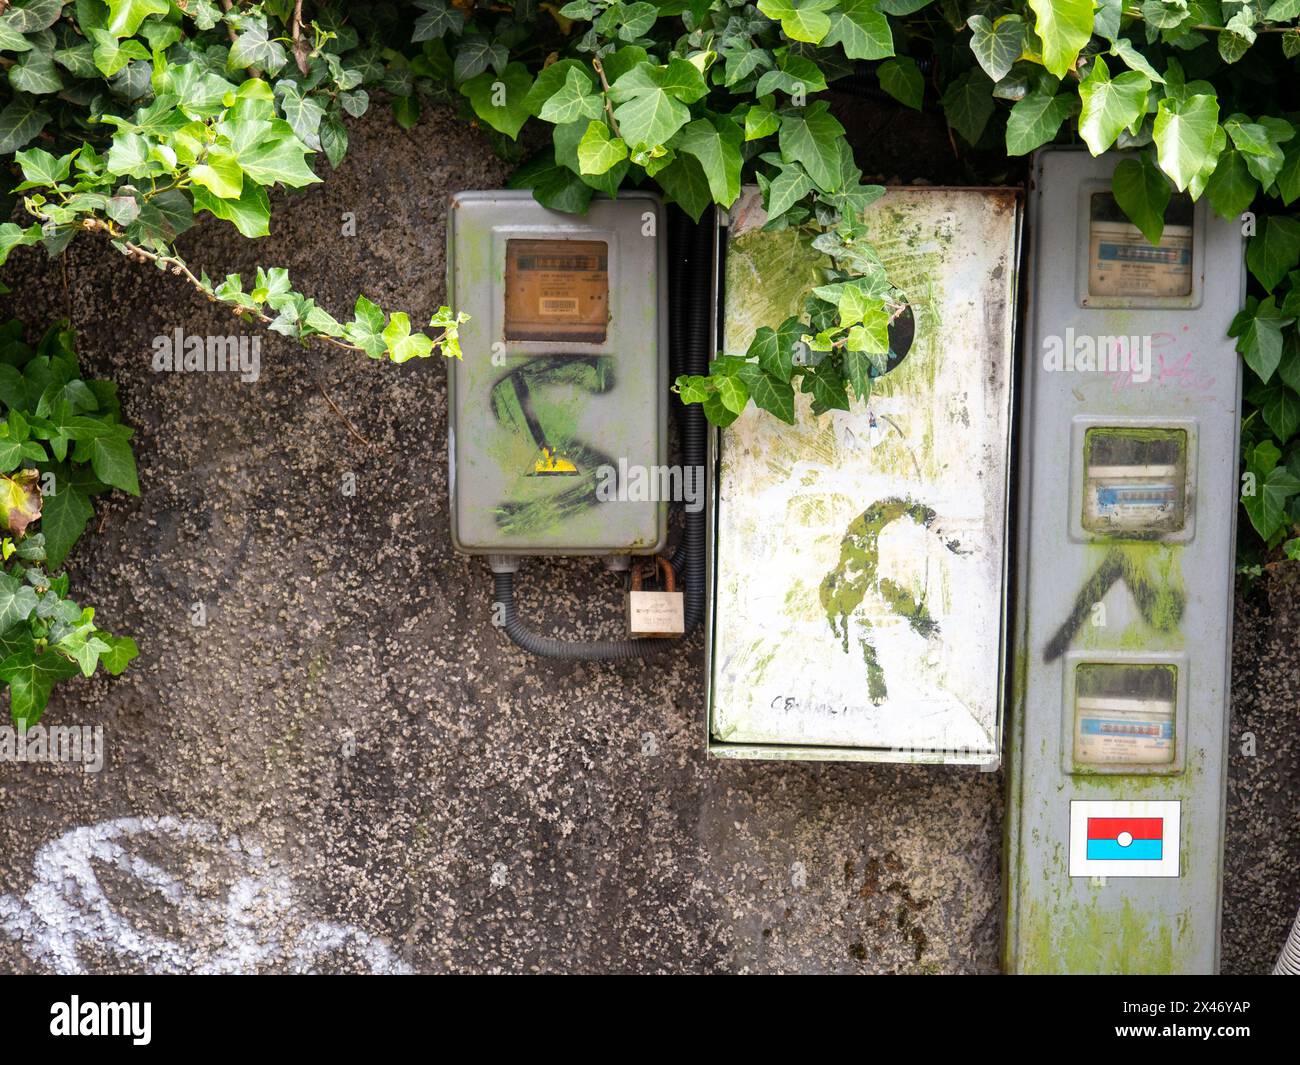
<point x="558" y="410"/>
<point x="1128" y="500"/>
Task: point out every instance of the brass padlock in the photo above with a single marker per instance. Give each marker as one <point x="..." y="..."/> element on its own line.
<point x="660" y="613"/>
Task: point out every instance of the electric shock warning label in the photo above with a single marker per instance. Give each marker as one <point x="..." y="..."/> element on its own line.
<point x="557" y="290"/>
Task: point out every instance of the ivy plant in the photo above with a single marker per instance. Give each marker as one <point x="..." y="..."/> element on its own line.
<point x="62" y="442"/>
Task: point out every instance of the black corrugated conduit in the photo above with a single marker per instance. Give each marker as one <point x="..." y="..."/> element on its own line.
<point x="690" y="287"/>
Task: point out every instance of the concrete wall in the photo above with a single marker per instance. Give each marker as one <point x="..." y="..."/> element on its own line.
<point x="348" y="768"/>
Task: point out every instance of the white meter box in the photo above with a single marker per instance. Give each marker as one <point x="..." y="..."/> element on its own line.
<point x="859" y="571"/>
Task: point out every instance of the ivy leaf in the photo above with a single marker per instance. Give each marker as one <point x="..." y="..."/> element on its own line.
<point x="438" y="20"/>
<point x="997" y="44"/>
<point x="1142" y="192"/>
<point x="811" y="137"/>
<point x="17" y="601"/>
<point x="1260" y="144"/>
<point x="113" y="463"/>
<point x="122" y="650"/>
<point x="902" y="79"/>
<point x="31" y="676"/>
<point x="968" y="104"/>
<point x="20" y="121"/>
<point x="1064" y="27"/>
<point x="255" y="48"/>
<point x="760" y="121"/>
<point x="1035" y="119"/>
<point x="475" y="54"/>
<point x="733" y="392"/>
<point x="686" y="185"/>
<point x="270" y="153"/>
<point x="302" y="112"/>
<point x="1274" y="250"/>
<point x="1231" y="189"/>
<point x="554" y="185"/>
<point x="794" y="75"/>
<point x="20" y="500"/>
<point x="64" y="514"/>
<point x="402" y="343"/>
<point x="366" y="329"/>
<point x="716" y="144"/>
<point x="861" y="30"/>
<point x="500" y="100"/>
<point x="598" y="151"/>
<point x="790" y="186"/>
<point x="572" y="101"/>
<point x="1274" y="485"/>
<point x="35" y="73"/>
<point x="650" y="111"/>
<point x="31" y="16"/>
<point x="773" y="395"/>
<point x="250" y="214"/>
<point x="125" y="16"/>
<point x="1281" y="412"/>
<point x="1110" y="104"/>
<point x="801" y="20"/>
<point x="1258" y="329"/>
<point x="220" y="174"/>
<point x="1184" y="134"/>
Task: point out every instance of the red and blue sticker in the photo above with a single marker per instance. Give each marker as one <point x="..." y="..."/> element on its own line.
<point x="1126" y="838"/>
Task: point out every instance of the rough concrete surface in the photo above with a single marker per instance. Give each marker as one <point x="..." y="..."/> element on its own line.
<point x="348" y="768"/>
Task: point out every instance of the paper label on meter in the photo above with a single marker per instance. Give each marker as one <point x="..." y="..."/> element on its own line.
<point x="1124" y="715"/>
<point x="1122" y="262"/>
<point x="557" y="290"/>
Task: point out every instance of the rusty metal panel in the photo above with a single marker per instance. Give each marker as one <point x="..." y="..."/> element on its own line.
<point x="860" y="557"/>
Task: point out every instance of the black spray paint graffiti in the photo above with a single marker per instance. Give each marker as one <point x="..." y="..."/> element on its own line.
<point x="550" y="428"/>
<point x="1160" y="603"/>
<point x="857" y="573"/>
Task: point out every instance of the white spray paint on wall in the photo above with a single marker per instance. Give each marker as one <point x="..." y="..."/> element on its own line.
<point x="67" y="916"/>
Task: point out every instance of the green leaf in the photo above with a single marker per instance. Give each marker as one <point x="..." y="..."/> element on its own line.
<point x="402" y="343"/>
<point x="649" y="110"/>
<point x="438" y="20"/>
<point x="801" y="20"/>
<point x="1258" y="329"/>
<point x="598" y="151"/>
<point x="113" y="463"/>
<point x="1110" y="104"/>
<point x="122" y="650"/>
<point x="501" y="100"/>
<point x="21" y="120"/>
<point x="125" y="16"/>
<point x="254" y="47"/>
<point x="1184" y="134"/>
<point x="760" y="122"/>
<point x="30" y="16"/>
<point x="572" y="101"/>
<point x="790" y="186"/>
<point x="968" y="104"/>
<point x="773" y="395"/>
<point x="221" y="174"/>
<point x="34" y="72"/>
<point x="811" y="137"/>
<point x="31" y="676"/>
<point x="1274" y="250"/>
<point x="1064" y="27"/>
<point x="733" y="393"/>
<point x="250" y="214"/>
<point x="1274" y="485"/>
<point x="1035" y="119"/>
<point x="1142" y="192"/>
<point x="366" y="329"/>
<point x="996" y="44"/>
<point x="716" y="144"/>
<point x="302" y="112"/>
<point x="686" y="185"/>
<point x="1231" y="189"/>
<point x="64" y="514"/>
<point x="860" y="29"/>
<point x="1281" y="412"/>
<point x="902" y="79"/>
<point x="17" y="601"/>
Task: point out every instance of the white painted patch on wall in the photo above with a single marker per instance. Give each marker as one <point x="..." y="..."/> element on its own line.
<point x="67" y="920"/>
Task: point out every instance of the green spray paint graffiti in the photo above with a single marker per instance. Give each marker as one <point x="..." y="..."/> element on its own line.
<point x="857" y="573"/>
<point x="1158" y="600"/>
<point x="551" y="428"/>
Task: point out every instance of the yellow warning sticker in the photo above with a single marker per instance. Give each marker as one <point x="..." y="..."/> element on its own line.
<point x="551" y="464"/>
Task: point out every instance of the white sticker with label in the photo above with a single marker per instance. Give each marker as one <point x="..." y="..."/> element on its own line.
<point x="1124" y="838"/>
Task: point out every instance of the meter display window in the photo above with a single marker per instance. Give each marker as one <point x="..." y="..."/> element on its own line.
<point x="1135" y="481"/>
<point x="1122" y="262"/>
<point x="557" y="290"/>
<point x="1124" y="714"/>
